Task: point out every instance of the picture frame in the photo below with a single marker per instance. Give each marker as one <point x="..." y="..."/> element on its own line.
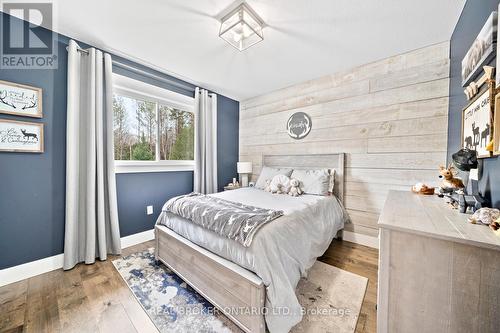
<point x="477" y="122"/>
<point x="21" y="100"/>
<point x="21" y="136"/>
<point x="482" y="50"/>
<point x="496" y="126"/>
<point x="497" y="76"/>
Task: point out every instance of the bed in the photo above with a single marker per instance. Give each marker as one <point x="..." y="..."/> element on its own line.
<point x="255" y="285"/>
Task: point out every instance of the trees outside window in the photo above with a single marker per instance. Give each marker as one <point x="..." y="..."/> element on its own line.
<point x="176" y="134"/>
<point x="137" y="124"/>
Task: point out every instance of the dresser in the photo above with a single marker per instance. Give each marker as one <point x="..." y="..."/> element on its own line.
<point x="437" y="272"/>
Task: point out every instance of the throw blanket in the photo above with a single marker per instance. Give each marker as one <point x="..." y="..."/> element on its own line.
<point x="229" y="219"/>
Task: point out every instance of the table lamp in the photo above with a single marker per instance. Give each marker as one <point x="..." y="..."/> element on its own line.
<point x="244" y="168"/>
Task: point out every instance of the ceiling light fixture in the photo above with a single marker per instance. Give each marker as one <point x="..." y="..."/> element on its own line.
<point x="242" y="27"/>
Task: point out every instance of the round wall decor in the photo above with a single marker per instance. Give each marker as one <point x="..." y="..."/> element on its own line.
<point x="299" y="125"/>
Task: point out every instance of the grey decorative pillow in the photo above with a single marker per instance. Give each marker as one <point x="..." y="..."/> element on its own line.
<point x="314" y="181"/>
<point x="268" y="173"/>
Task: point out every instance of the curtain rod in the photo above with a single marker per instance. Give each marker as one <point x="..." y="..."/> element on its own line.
<point x="144" y="73"/>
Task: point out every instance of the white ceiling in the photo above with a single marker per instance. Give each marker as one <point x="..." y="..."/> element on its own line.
<point x="304" y="39"/>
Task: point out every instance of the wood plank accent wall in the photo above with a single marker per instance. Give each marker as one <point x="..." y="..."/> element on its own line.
<point x="390" y="117"/>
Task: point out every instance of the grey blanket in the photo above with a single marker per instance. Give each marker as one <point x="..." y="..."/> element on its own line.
<point x="229" y="219"/>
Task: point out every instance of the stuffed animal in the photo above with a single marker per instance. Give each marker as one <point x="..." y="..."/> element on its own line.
<point x="448" y="178"/>
<point x="421" y="188"/>
<point x="486" y="216"/>
<point x="280" y="184"/>
<point x="294" y="188"/>
<point x="275" y="188"/>
<point x="495" y="226"/>
<point x="267" y="188"/>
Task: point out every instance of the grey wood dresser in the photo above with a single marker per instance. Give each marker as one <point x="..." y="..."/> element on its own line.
<point x="437" y="272"/>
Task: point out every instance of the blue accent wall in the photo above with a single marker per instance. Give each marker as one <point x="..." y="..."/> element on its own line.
<point x="32" y="186"/>
<point x="227" y="140"/>
<point x="473" y="17"/>
<point x="138" y="190"/>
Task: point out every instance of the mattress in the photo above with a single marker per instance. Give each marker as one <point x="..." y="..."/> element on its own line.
<point x="281" y="251"/>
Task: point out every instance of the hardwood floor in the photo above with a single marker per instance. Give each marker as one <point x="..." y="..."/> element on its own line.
<point x="94" y="298"/>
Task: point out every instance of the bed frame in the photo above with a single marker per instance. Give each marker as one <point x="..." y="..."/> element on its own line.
<point x="223" y="283"/>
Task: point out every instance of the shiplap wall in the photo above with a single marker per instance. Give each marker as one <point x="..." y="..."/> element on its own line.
<point x="389" y="117"/>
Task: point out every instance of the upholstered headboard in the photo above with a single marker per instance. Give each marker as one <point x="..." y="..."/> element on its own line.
<point x="312" y="161"/>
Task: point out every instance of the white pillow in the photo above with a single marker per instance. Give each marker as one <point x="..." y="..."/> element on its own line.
<point x="314" y="181"/>
<point x="268" y="173"/>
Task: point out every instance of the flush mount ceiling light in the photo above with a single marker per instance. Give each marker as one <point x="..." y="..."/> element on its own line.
<point x="241" y="27"/>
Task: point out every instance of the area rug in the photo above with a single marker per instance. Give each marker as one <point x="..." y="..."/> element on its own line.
<point x="331" y="298"/>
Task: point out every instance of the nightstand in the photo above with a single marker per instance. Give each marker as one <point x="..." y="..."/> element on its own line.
<point x="229" y="188"/>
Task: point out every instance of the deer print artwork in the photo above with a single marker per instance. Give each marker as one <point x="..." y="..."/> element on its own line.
<point x="468" y="142"/>
<point x="475" y="134"/>
<point x="20" y="136"/>
<point x="476" y="126"/>
<point x="485" y="135"/>
<point x="29" y="135"/>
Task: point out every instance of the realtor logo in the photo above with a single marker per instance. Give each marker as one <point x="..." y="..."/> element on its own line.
<point x="28" y="40"/>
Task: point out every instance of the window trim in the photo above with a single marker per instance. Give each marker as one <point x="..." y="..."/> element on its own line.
<point x="131" y="88"/>
<point x="152" y="166"/>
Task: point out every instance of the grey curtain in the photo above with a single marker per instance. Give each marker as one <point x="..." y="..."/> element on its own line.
<point x="91" y="208"/>
<point x="205" y="172"/>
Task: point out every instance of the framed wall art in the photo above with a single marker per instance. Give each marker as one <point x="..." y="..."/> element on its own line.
<point x="21" y="136"/>
<point x="298" y="125"/>
<point x="20" y="100"/>
<point x="497" y="77"/>
<point x="477" y="126"/>
<point x="481" y="51"/>
<point x="496" y="126"/>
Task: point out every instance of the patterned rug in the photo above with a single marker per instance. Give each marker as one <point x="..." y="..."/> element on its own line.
<point x="331" y="298"/>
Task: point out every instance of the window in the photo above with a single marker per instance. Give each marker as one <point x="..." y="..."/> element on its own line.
<point x="134" y="127"/>
<point x="176" y="134"/>
<point x="153" y="128"/>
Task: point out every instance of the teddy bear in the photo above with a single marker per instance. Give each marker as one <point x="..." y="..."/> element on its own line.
<point x="448" y="176"/>
<point x="267" y="188"/>
<point x="280" y="184"/>
<point x="295" y="189"/>
<point x="275" y="187"/>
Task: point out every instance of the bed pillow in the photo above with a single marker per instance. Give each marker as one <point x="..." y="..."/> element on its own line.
<point x="268" y="173"/>
<point x="313" y="181"/>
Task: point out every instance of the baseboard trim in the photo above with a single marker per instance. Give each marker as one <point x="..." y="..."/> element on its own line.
<point x="362" y="239"/>
<point x="37" y="267"/>
<point x="29" y="269"/>
<point x="138" y="238"/>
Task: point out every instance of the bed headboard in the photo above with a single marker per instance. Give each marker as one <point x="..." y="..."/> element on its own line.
<point x="312" y="161"/>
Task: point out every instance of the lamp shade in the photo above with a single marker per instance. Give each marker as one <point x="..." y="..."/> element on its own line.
<point x="244" y="167"/>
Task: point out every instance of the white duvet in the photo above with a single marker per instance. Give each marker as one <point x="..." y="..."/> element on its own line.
<point x="281" y="252"/>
